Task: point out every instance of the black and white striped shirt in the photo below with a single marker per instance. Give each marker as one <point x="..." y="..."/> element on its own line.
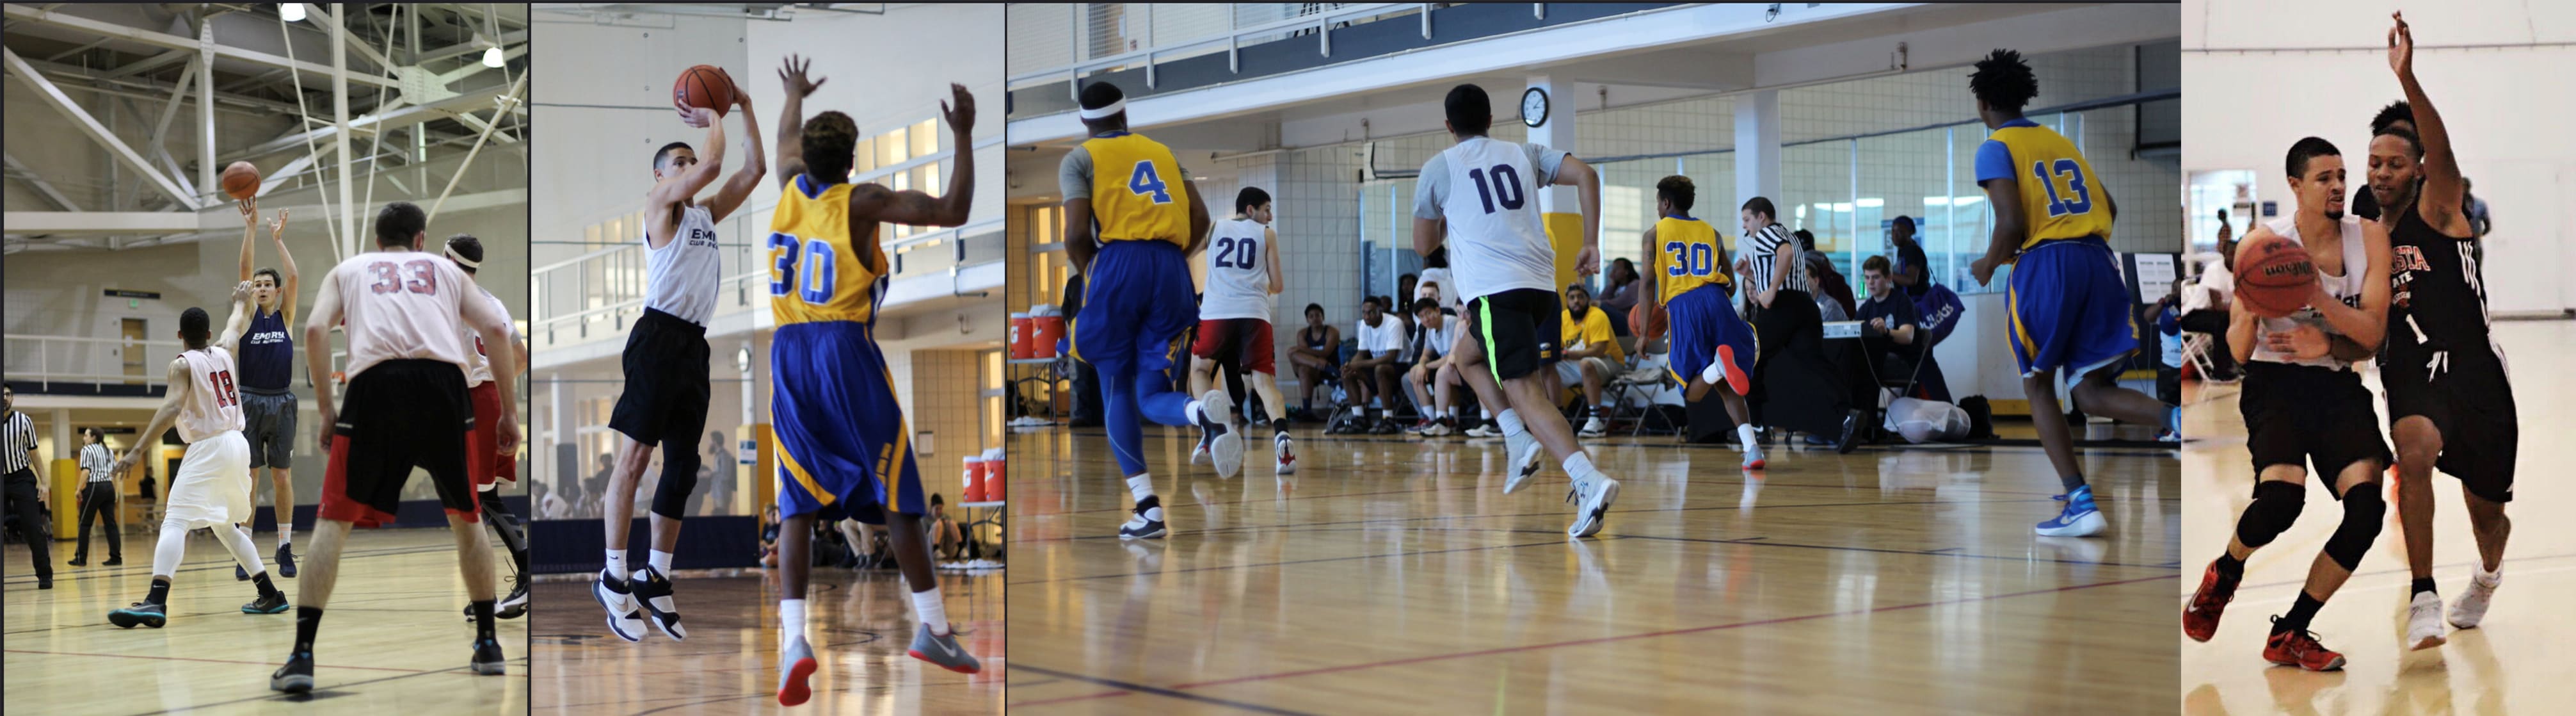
<point x="1762" y="249"/>
<point x="96" y="459"/>
<point x="17" y="438"/>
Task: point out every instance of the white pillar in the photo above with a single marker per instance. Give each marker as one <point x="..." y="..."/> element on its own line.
<point x="206" y="186"/>
<point x="340" y="118"/>
<point x="64" y="445"/>
<point x="1561" y="205"/>
<point x="1757" y="150"/>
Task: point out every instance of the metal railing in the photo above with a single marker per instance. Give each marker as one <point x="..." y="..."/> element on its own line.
<point x="598" y="294"/>
<point x="1317" y="18"/>
<point x="65" y="352"/>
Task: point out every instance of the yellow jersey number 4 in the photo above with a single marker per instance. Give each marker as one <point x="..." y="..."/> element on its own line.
<point x="1143" y="181"/>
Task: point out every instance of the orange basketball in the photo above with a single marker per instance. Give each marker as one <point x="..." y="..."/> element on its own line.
<point x="2274" y="276"/>
<point x="1648" y="320"/>
<point x="704" y="86"/>
<point x="241" y="180"/>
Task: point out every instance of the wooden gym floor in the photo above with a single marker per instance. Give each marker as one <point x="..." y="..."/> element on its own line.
<point x="2517" y="660"/>
<point x="1393" y="576"/>
<point x="860" y="623"/>
<point x="393" y="639"/>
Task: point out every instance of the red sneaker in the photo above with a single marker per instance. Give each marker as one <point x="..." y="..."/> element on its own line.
<point x="2200" y="617"/>
<point x="2299" y="647"/>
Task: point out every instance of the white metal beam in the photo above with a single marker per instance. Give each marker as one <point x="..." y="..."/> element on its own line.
<point x="402" y="117"/>
<point x="43" y="188"/>
<point x="151" y="63"/>
<point x="301" y="163"/>
<point x="340" y="122"/>
<point x="32" y="13"/>
<point x="90" y="125"/>
<point x="170" y="110"/>
<point x="206" y="102"/>
<point x="101" y="222"/>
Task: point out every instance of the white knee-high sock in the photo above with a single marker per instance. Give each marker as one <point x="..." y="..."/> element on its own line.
<point x="237" y="541"/>
<point x="791" y="620"/>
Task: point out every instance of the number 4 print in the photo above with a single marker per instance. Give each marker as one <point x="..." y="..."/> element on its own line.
<point x="1144" y="181"/>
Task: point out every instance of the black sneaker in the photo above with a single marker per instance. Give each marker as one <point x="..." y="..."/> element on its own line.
<point x="274" y="602"/>
<point x="296" y="676"/>
<point x="513" y="606"/>
<point x="285" y="561"/>
<point x="113" y="560"/>
<point x="82" y="561"/>
<point x="1147" y="522"/>
<point x="144" y="613"/>
<point x="487" y="658"/>
<point x="1851" y="434"/>
<point x="1386" y="426"/>
<point x="654" y="590"/>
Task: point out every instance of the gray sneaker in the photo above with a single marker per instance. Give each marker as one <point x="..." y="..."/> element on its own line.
<point x="943" y="651"/>
<point x="1224" y="442"/>
<point x="1592" y="505"/>
<point x="793" y="671"/>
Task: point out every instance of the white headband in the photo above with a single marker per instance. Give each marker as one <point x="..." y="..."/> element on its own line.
<point x="460" y="260"/>
<point x="1104" y="112"/>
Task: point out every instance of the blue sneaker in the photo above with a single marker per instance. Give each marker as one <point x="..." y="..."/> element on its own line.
<point x="2077" y="519"/>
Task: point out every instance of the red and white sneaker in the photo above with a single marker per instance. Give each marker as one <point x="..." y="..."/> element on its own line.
<point x="2200" y="616"/>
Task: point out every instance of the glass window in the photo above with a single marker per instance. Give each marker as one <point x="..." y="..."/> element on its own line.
<point x="867" y="156"/>
<point x="925" y="138"/>
<point x="891" y="148"/>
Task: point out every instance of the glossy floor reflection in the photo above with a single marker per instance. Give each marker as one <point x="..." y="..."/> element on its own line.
<point x="393" y="639"/>
<point x="2519" y="660"/>
<point x="1393" y="576"/>
<point x="858" y="622"/>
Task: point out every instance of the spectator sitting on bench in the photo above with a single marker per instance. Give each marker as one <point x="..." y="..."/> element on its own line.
<point x="1588" y="356"/>
<point x="1316" y="356"/>
<point x="1892" y="333"/>
<point x="1372" y="372"/>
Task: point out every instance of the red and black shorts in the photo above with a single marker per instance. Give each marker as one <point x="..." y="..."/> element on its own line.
<point x="483" y="446"/>
<point x="1245" y="339"/>
<point x="399" y="415"/>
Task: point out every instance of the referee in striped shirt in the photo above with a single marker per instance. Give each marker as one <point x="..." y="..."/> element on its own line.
<point x="17" y="458"/>
<point x="98" y="498"/>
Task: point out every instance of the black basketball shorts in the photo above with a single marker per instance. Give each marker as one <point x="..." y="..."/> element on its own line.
<point x="2469" y="399"/>
<point x="400" y="414"/>
<point x="666" y="380"/>
<point x="2309" y="416"/>
<point x="1518" y="329"/>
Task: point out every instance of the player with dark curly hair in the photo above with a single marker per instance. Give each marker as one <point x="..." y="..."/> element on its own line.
<point x="2069" y="310"/>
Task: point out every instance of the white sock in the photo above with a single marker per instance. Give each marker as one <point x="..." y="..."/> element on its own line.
<point x="1579" y="466"/>
<point x="616" y="563"/>
<point x="2484" y="576"/>
<point x="1142" y="486"/>
<point x="932" y="611"/>
<point x="1511" y="422"/>
<point x="285" y="534"/>
<point x="1714" y="374"/>
<point x="660" y="560"/>
<point x="791" y="620"/>
<point x="1751" y="439"/>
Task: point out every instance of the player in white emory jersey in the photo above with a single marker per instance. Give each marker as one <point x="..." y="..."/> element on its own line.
<point x="666" y="364"/>
<point x="407" y="408"/>
<point x="483" y="460"/>
<point x="212" y="488"/>
<point x="1483" y="192"/>
<point x="1234" y="328"/>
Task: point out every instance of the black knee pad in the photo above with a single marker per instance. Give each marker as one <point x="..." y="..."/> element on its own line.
<point x="2276" y="505"/>
<point x="679" y="478"/>
<point x="2362" y="511"/>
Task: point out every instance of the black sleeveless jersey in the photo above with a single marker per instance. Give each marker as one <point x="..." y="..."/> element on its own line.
<point x="2437" y="296"/>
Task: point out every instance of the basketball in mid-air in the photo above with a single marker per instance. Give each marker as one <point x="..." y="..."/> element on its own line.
<point x="241" y="180"/>
<point x="2274" y="277"/>
<point x="704" y="86"/>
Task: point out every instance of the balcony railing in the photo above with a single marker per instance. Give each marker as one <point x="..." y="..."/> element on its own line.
<point x="46" y="360"/>
<point x="1242" y="24"/>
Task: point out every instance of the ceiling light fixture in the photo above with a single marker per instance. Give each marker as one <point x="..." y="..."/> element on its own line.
<point x="292" y="11"/>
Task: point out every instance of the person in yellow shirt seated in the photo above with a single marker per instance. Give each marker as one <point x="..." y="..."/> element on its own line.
<point x="1590" y="355"/>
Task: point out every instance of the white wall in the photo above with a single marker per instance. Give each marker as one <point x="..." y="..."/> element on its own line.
<point x="2507" y="120"/>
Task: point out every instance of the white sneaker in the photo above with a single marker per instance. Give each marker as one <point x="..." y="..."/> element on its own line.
<point x="1483" y="431"/>
<point x="1594" y="506"/>
<point x="1594" y="428"/>
<point x="1225" y="442"/>
<point x="2472" y="605"/>
<point x="2424" y="622"/>
<point x="1437" y="429"/>
<point x="1523" y="450"/>
<point x="1753" y="457"/>
<point x="1287" y="464"/>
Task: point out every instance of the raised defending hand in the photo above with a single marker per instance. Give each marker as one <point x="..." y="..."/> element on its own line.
<point x="959" y="110"/>
<point x="241" y="291"/>
<point x="698" y="117"/>
<point x="2401" y="46"/>
<point x="793" y="74"/>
